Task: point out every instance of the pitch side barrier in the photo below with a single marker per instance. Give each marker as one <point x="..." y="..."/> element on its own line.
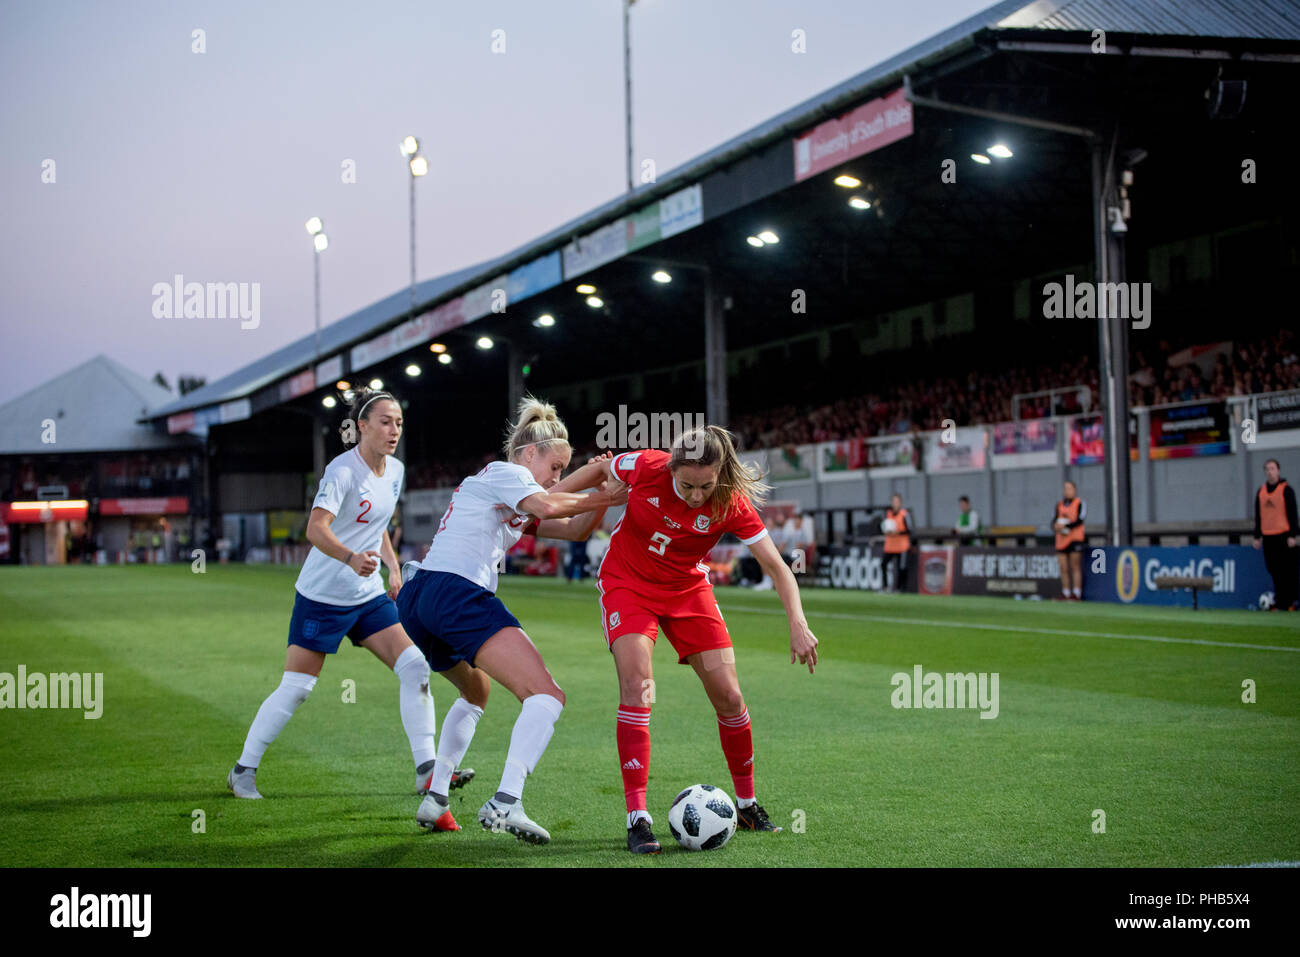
<point x="1124" y="575"/>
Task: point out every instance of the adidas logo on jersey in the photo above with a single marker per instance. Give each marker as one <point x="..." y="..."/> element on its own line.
<point x="654" y="500"/>
<point x="633" y="765"/>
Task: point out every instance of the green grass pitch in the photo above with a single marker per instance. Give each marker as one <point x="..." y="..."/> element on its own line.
<point x="1093" y="715"/>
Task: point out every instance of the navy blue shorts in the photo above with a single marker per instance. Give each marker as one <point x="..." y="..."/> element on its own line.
<point x="318" y="626"/>
<point x="449" y="617"/>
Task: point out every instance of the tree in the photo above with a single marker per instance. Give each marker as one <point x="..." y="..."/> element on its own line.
<point x="161" y="380"/>
<point x="188" y="383"/>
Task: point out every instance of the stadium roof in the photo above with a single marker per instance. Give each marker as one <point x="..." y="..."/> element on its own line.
<point x="1257" y="19"/>
<point x="1058" y="21"/>
<point x="92" y="407"/>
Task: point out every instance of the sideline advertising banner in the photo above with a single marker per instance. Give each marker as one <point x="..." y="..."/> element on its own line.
<point x="1019" y="572"/>
<point x="1127" y="575"/>
<point x="1190" y="430"/>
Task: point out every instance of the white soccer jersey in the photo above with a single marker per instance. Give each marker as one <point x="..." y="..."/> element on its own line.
<point x="482" y="523"/>
<point x="362" y="503"/>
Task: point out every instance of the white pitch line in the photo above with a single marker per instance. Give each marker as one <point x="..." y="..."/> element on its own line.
<point x="1021" y="628"/>
<point x="1264" y="864"/>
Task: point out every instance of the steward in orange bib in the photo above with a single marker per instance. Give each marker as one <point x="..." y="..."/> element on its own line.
<point x="897" y="543"/>
<point x="1276" y="526"/>
<point x="1067" y="522"/>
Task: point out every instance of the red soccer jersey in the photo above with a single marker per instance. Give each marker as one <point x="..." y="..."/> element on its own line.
<point x="660" y="540"/>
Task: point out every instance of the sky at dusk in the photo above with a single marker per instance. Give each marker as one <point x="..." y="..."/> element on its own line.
<point x="169" y="161"/>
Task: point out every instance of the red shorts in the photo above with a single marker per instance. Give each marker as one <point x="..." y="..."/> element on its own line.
<point x="691" y="619"/>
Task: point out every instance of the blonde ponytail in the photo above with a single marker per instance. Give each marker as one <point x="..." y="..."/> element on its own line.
<point x="536" y="423"/>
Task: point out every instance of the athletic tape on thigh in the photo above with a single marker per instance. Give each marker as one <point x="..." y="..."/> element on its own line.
<point x="716" y="657"/>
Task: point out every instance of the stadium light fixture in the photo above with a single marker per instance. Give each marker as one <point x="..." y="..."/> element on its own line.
<point x="595" y="302"/>
<point x="769" y="237"/>
<point x="847" y="181"/>
<point x="485" y="343"/>
<point x="586" y="289"/>
<point x="544" y="321"/>
<point x="412" y="370"/>
<point x="329" y="402"/>
<point x="437" y="347"/>
<point x="1000" y="150"/>
<point x="857" y="202"/>
<point x="755" y="241"/>
<point x="661" y="277"/>
<point x="444" y="358"/>
<point x="343" y="385"/>
<point x="981" y="159"/>
<point x="376" y="384"/>
<point x="418" y="166"/>
<point x="320" y="242"/>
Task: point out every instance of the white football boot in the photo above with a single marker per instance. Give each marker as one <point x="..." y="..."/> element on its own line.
<point x="459" y="778"/>
<point x="244" y="785"/>
<point x="433" y="815"/>
<point x="512" y="819"/>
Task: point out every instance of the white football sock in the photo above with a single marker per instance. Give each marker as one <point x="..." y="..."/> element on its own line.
<point x="457" y="732"/>
<point x="531" y="734"/>
<point x="415" y="701"/>
<point x="746" y="802"/>
<point x="634" y="816"/>
<point x="274" y="714"/>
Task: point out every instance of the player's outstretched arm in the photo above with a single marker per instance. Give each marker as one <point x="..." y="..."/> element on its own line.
<point x="552" y="504"/>
<point x="590" y="475"/>
<point x="803" y="643"/>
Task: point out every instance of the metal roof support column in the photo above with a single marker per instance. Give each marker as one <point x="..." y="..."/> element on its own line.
<point x="715" y="354"/>
<point x="1113" y="343"/>
<point x="515" y="374"/>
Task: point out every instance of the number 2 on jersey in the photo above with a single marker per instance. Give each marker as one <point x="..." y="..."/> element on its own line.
<point x="360" y="518"/>
<point x="661" y="539"/>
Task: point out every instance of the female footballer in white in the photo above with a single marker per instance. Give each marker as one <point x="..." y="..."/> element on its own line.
<point x="339" y="590"/>
<point x="450" y="609"/>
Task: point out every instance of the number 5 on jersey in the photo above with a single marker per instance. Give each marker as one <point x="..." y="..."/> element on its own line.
<point x="660" y="539"/>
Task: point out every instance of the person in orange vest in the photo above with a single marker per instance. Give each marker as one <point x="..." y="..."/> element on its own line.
<point x="897" y="542"/>
<point x="1067" y="522"/>
<point x="1276" y="527"/>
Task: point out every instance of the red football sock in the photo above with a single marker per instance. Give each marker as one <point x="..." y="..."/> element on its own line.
<point x="634" y="753"/>
<point x="738" y="746"/>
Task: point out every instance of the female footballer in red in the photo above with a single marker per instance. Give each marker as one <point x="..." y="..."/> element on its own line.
<point x="679" y="505"/>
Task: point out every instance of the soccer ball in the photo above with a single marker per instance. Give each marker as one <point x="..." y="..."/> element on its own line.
<point x="702" y="818"/>
<point x="1266" y="601"/>
<point x="889" y="526"/>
